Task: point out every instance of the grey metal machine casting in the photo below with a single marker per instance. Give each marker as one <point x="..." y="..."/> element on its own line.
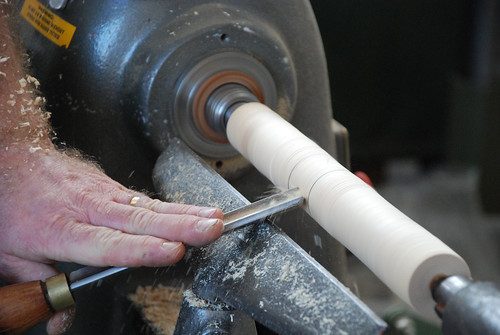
<point x="131" y="86"/>
<point x="133" y="78"/>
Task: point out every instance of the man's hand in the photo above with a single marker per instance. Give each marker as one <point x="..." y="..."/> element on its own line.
<point x="58" y="208"/>
<point x="54" y="207"/>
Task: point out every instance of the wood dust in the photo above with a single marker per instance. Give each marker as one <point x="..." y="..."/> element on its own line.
<point x="160" y="306"/>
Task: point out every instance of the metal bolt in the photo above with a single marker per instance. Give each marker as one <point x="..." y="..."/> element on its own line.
<point x="58" y="4"/>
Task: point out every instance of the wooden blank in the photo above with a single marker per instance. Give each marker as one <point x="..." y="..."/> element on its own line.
<point x="404" y="255"/>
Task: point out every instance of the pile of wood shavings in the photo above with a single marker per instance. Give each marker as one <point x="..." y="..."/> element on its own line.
<point x="160" y="306"/>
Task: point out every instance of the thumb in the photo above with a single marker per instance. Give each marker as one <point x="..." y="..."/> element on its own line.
<point x="61" y="321"/>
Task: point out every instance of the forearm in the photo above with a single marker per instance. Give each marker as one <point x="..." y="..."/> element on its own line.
<point x="23" y="121"/>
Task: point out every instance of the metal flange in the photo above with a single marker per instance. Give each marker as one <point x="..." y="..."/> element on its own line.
<point x="205" y="78"/>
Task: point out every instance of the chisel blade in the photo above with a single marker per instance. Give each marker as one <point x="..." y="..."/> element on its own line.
<point x="245" y="215"/>
<point x="261" y="209"/>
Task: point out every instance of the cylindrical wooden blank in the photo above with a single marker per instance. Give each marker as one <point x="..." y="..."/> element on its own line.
<point x="405" y="256"/>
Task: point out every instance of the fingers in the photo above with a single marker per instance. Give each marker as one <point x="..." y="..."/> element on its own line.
<point x="61" y="321"/>
<point x="185" y="223"/>
<point x="189" y="229"/>
<point x="143" y="201"/>
<point x="102" y="246"/>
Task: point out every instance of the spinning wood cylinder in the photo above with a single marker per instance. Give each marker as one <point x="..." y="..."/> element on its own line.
<point x="405" y="256"/>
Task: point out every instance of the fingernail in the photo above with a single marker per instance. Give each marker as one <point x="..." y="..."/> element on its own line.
<point x="61" y="322"/>
<point x="206" y="225"/>
<point x="67" y="320"/>
<point x="207" y="212"/>
<point x="171" y="246"/>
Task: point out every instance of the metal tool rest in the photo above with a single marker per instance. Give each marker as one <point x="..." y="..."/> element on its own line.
<point x="257" y="269"/>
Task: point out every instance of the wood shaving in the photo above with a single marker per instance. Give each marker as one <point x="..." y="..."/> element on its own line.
<point x="160" y="306"/>
<point x="32" y="79"/>
<point x="32" y="150"/>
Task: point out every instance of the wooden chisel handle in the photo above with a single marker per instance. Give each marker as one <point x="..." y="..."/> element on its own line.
<point x="24" y="305"/>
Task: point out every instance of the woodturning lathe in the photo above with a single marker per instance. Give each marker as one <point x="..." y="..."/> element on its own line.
<point x="137" y="76"/>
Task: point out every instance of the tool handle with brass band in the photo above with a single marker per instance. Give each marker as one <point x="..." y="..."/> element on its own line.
<point x="24" y="305"/>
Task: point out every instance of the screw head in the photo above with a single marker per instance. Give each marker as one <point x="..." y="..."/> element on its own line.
<point x="58" y="4"/>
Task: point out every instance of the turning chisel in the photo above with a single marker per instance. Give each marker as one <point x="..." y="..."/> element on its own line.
<point x="24" y="305"/>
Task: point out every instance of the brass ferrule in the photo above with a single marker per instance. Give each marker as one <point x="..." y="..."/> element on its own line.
<point x="58" y="292"/>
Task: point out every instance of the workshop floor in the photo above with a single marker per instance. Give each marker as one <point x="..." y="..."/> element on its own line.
<point x="443" y="199"/>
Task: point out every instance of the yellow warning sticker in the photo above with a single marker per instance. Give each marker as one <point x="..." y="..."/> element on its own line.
<point x="49" y="24"/>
